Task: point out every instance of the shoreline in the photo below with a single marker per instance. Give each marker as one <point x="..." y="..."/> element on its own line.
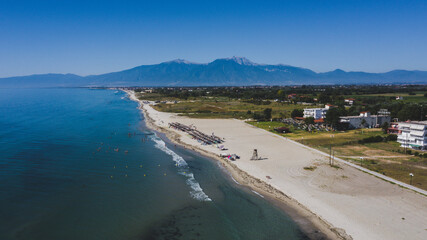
<point x="310" y="224"/>
<point x="341" y="202"/>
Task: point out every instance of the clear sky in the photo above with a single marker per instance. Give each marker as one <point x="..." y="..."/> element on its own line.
<point x="92" y="37"/>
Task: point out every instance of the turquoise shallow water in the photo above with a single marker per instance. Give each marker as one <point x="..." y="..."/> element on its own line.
<point x="80" y="164"/>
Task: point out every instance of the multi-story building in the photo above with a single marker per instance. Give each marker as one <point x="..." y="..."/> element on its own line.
<point x="413" y="135"/>
<point x="365" y="119"/>
<point x="317" y="113"/>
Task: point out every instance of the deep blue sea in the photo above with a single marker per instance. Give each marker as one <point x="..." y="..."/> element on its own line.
<point x="80" y="164"/>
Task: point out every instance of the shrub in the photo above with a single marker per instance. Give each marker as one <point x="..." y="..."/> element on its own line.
<point x="258" y="116"/>
<point x="297" y="113"/>
<point x="282" y="130"/>
<point x="309" y="120"/>
<point x="372" y="139"/>
<point x="391" y="137"/>
<point x="203" y="111"/>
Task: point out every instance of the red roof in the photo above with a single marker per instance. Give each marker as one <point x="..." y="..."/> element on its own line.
<point x="319" y="120"/>
<point x="299" y="118"/>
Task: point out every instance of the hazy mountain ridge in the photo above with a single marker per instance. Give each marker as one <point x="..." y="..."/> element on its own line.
<point x="233" y="71"/>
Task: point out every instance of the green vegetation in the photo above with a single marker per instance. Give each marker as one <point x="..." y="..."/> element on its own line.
<point x="205" y="107"/>
<point x="236" y="102"/>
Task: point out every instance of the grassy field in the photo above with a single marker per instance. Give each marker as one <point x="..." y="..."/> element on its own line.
<point x="225" y="108"/>
<point x="417" y="98"/>
<point x="384" y="157"/>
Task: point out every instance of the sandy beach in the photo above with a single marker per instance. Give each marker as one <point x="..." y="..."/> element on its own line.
<point x="343" y="202"/>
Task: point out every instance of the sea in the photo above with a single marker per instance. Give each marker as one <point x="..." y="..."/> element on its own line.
<point x="80" y="163"/>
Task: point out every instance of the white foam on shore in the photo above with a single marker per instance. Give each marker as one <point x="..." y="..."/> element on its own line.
<point x="183" y="169"/>
<point x="257" y="193"/>
<point x="234" y="180"/>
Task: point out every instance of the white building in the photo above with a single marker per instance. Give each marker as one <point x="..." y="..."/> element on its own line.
<point x="349" y="101"/>
<point x="413" y="135"/>
<point x="317" y="113"/>
<point x="365" y="119"/>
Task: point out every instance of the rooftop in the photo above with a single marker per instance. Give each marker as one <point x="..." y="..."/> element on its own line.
<point x="415" y="122"/>
<point x="362" y="116"/>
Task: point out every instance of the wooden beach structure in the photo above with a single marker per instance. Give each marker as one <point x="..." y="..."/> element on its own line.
<point x="195" y="134"/>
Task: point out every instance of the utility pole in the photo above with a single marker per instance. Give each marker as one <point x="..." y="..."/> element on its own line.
<point x="330" y="155"/>
<point x="333" y="157"/>
<point x="411" y="175"/>
<point x="406" y="141"/>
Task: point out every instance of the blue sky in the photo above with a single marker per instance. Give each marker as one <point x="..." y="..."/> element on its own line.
<point x="92" y="37"/>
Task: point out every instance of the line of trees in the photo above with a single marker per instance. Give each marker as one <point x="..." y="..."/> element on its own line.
<point x="323" y="94"/>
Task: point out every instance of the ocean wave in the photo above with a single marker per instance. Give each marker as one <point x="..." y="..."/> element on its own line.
<point x="183" y="169"/>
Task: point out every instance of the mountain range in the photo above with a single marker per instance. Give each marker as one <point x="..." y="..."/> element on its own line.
<point x="235" y="71"/>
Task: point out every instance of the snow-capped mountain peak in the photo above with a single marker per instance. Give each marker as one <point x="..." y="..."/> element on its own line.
<point x="241" y="61"/>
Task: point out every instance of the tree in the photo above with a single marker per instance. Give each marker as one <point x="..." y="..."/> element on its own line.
<point x="333" y="117"/>
<point x="384" y="127"/>
<point x="267" y="113"/>
<point x="411" y="112"/>
<point x="297" y="113"/>
<point x="362" y="123"/>
<point x="258" y="117"/>
<point x="324" y="98"/>
<point x="309" y="120"/>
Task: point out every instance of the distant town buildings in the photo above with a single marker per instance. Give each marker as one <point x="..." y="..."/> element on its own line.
<point x="365" y="119"/>
<point x="399" y="98"/>
<point x="413" y="135"/>
<point x="292" y="96"/>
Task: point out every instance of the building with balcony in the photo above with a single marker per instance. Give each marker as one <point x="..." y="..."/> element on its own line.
<point x="413" y="135"/>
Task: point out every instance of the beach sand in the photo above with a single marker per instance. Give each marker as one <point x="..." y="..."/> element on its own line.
<point x="343" y="203"/>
